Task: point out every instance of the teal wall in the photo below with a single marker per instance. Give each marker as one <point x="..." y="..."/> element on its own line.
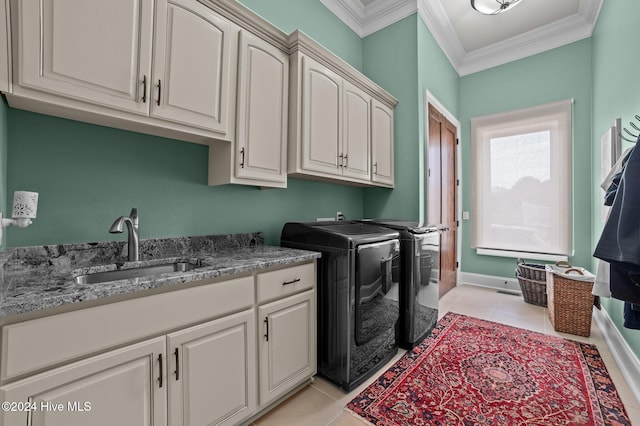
<point x="561" y="73"/>
<point x="396" y="70"/>
<point x="615" y="95"/>
<point x="407" y="73"/>
<point x="316" y="21"/>
<point x="88" y="175"/>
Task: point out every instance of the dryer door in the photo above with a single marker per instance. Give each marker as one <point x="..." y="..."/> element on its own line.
<point x="376" y="289"/>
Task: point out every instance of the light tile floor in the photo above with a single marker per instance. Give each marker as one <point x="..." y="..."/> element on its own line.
<point x="322" y="403"/>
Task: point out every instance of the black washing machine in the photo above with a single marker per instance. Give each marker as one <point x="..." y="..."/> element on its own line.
<point x="358" y="274"/>
<point x="419" y="277"/>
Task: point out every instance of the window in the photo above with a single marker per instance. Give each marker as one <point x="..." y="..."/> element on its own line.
<point x="521" y="185"/>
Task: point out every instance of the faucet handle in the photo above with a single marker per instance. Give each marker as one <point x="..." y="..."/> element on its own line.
<point x="134" y="216"/>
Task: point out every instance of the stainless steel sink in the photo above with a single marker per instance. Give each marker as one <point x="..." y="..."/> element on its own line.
<point x="143" y="271"/>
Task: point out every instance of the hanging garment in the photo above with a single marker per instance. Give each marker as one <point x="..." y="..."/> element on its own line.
<point x="619" y="244"/>
<point x="631" y="316"/>
<point x="620" y="239"/>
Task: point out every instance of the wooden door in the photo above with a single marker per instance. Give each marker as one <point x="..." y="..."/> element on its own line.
<point x="93" y="50"/>
<point x="194" y="59"/>
<point x="441" y="195"/>
<point x="212" y="372"/>
<point x="287" y="344"/>
<point x="381" y="144"/>
<point x="263" y="87"/>
<point x="321" y="125"/>
<point x="124" y="387"/>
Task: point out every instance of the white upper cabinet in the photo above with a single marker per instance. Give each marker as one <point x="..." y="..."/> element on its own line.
<point x="5" y="59"/>
<point x="257" y="155"/>
<point x="382" y="144"/>
<point x="335" y="129"/>
<point x="321" y="122"/>
<point x="71" y="48"/>
<point x="357" y="132"/>
<point x="192" y="65"/>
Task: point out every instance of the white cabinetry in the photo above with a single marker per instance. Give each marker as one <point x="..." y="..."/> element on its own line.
<point x="125" y="387"/>
<point x="287" y="348"/>
<point x="70" y="48"/>
<point x="382" y="144"/>
<point x="333" y="123"/>
<point x="218" y="371"/>
<point x="193" y="77"/>
<point x="258" y="155"/>
<point x="71" y="61"/>
<point x="212" y="372"/>
<point x="356" y="142"/>
<point x="5" y="52"/>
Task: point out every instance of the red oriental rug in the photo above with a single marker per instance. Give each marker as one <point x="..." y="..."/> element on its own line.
<point x="475" y="372"/>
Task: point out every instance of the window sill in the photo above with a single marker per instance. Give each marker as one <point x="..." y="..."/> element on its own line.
<point x="521" y="254"/>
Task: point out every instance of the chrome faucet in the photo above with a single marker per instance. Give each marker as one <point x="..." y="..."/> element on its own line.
<point x="133" y="232"/>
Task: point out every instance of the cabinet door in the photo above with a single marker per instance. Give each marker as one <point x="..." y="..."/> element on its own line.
<point x="93" y="50"/>
<point x="382" y="144"/>
<point x="357" y="133"/>
<point x="124" y="387"/>
<point x="194" y="52"/>
<point x="287" y="348"/>
<point x="322" y="124"/>
<point x="263" y="86"/>
<point x="212" y="373"/>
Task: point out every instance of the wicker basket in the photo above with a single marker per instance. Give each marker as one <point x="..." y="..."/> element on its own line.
<point x="531" y="271"/>
<point x="533" y="291"/>
<point x="570" y="303"/>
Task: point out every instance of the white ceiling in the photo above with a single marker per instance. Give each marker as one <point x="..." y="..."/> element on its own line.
<point x="472" y="41"/>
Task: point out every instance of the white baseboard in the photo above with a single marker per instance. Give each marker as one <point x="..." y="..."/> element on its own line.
<point x="499" y="283"/>
<point x="627" y="361"/>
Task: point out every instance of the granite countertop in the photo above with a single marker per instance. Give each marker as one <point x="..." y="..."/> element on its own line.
<point x="42" y="277"/>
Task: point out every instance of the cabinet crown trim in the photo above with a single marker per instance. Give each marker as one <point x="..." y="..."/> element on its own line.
<point x="248" y="20"/>
<point x="300" y="42"/>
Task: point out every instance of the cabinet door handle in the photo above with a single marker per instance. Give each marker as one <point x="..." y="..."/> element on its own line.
<point x="159" y="92"/>
<point x="375" y="168"/>
<point x="340" y="160"/>
<point x="266" y="335"/>
<point x="346" y="160"/>
<point x="242" y="158"/>
<point x="144" y="89"/>
<point x="160" y="375"/>
<point x="291" y="282"/>
<point x="175" y="352"/>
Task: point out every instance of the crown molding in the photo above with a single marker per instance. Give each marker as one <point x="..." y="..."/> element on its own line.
<point x="381" y="13"/>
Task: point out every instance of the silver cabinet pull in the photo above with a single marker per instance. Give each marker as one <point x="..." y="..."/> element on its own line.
<point x="340" y="157"/>
<point x="159" y="92"/>
<point x="291" y="282"/>
<point x="375" y="168"/>
<point x="242" y="158"/>
<point x="346" y="160"/>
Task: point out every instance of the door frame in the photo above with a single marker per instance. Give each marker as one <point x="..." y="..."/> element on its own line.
<point x="429" y="98"/>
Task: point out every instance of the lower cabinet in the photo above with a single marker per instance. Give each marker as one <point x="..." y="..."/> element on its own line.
<point x="212" y="372"/>
<point x="124" y="387"/>
<point x="219" y="372"/>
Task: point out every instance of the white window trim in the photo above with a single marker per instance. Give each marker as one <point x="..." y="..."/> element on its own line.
<point x="478" y="124"/>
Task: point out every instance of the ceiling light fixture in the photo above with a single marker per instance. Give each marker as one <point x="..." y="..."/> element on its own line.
<point x="493" y="7"/>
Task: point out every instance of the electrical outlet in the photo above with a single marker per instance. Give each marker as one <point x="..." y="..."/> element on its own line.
<point x="339" y="216"/>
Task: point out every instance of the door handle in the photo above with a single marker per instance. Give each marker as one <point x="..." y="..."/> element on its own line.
<point x="159" y="92"/>
<point x="242" y="158"/>
<point x="291" y="282"/>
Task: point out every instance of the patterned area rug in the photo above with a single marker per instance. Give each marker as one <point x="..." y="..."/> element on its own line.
<point x="475" y="372"/>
